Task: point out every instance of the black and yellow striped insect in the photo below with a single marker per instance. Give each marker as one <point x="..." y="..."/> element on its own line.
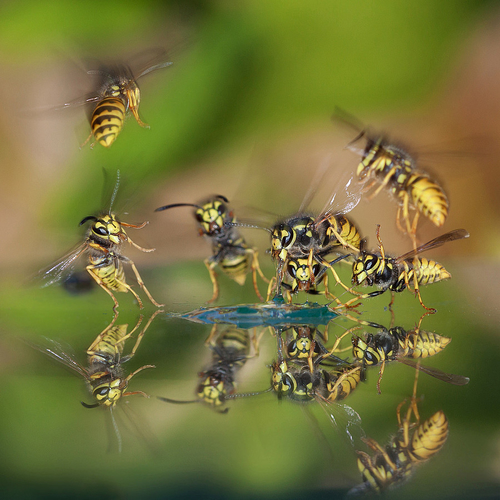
<point x="391" y="465"/>
<point x="102" y="245"/>
<point x="104" y="374"/>
<point x="117" y="93"/>
<point x="231" y="350"/>
<point x="407" y="271"/>
<point x="393" y="168"/>
<point x="307" y="241"/>
<point x="306" y="274"/>
<point x="397" y="344"/>
<point x="230" y="251"/>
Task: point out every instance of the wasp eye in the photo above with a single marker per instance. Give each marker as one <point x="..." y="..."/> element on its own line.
<point x="292" y="270"/>
<point x="369" y="264"/>
<point x="370" y="358"/>
<point x="286" y="239"/>
<point x="221" y="209"/>
<point x="199" y="216"/>
<point x="101" y="231"/>
<point x="315" y="268"/>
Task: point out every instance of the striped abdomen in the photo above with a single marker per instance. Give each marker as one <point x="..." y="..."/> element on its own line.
<point x="236" y="267"/>
<point x="110" y="345"/>
<point x="428" y="198"/>
<point x="340" y="383"/>
<point x="429" y="271"/>
<point x="423" y="344"/>
<point x="107" y="120"/>
<point x="345" y="229"/>
<point x="429" y="437"/>
<point x="110" y="272"/>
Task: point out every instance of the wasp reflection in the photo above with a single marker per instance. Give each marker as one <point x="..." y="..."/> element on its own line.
<point x="104" y="373"/>
<point x="230" y="350"/>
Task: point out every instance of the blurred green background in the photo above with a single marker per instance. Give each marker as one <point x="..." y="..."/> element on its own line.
<point x="245" y="112"/>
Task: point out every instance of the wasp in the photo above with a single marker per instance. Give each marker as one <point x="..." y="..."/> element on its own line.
<point x="394" y="169"/>
<point x="104" y="374"/>
<point x="306" y="274"/>
<point x="229" y="249"/>
<point x="117" y="93"/>
<point x="415" y="443"/>
<point x="102" y="246"/>
<point x="396" y="274"/>
<point x="309" y="375"/>
<point x="303" y="344"/>
<point x="300" y="245"/>
<point x="404" y="346"/>
<point x="231" y="350"/>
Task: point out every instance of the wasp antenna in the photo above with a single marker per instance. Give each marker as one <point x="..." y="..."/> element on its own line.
<point x="223" y="198"/>
<point x="247" y="394"/>
<point x="166" y="207"/>
<point x="115" y="190"/>
<point x="86" y="405"/>
<point x="154" y="68"/>
<point x="244" y="224"/>
<point x="89" y="217"/>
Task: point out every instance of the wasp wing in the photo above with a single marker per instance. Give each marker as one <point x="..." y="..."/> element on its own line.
<point x="56" y="351"/>
<point x="62" y="267"/>
<point x="456" y="234"/>
<point x="450" y="378"/>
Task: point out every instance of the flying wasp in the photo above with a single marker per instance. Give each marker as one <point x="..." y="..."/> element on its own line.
<point x="404" y="346"/>
<point x="104" y="374"/>
<point x="231" y="350"/>
<point x="117" y="93"/>
<point x="103" y="246"/>
<point x="396" y="274"/>
<point x="393" y="168"/>
<point x="393" y="464"/>
<point x="229" y="249"/>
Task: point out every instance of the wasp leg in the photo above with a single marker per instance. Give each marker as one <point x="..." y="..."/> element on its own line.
<point x="255" y="269"/>
<point x="135" y="373"/>
<point x="380" y="374"/>
<point x="270" y="288"/>
<point x="86" y="142"/>
<point x="134" y="109"/>
<point x="339" y="339"/>
<point x="101" y="283"/>
<point x="383" y="184"/>
<point x="341" y="240"/>
<point x="142" y="285"/>
<point x="213" y="278"/>
<point x="410" y="274"/>
<point x="140" y="336"/>
<point x="92" y="347"/>
<point x="123" y="339"/>
<point x="212" y="334"/>
<point x="379" y="449"/>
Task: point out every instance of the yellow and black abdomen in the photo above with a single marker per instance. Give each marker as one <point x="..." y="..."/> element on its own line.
<point x="107" y="120"/>
<point x="428" y="198"/>
<point x="341" y="383"/>
<point x="347" y="231"/>
<point x="429" y="271"/>
<point x="109" y="272"/>
<point x="110" y="345"/>
<point x="429" y="437"/>
<point x="424" y="344"/>
<point x="234" y="259"/>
